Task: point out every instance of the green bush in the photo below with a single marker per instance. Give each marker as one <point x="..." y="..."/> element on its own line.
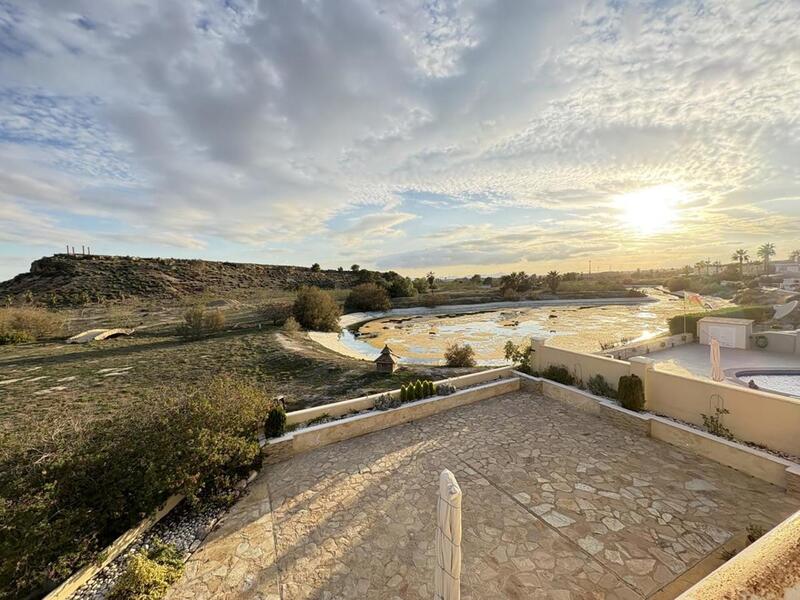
<point x="631" y="393"/>
<point x="419" y="390"/>
<point x="19" y="325"/>
<point x="402" y="287"/>
<point x="403" y="394"/>
<point x="367" y="297"/>
<point x="559" y="374"/>
<point x="275" y="425"/>
<point x="316" y="310"/>
<point x="431" y="391"/>
<point x="598" y="386"/>
<point x="459" y="355"/>
<point x="198" y="323"/>
<point x="68" y="488"/>
<point x="149" y="574"/>
<point x="757" y="313"/>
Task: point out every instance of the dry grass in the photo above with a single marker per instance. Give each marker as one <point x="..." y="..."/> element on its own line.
<point x="28" y="324"/>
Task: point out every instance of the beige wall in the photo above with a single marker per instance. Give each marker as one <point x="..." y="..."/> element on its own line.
<point x="784" y="342"/>
<point x="648" y="346"/>
<point x="739" y="334"/>
<point x="755" y="416"/>
<point x="581" y="365"/>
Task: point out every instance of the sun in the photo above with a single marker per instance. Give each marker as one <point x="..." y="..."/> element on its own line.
<point x="650" y="210"/>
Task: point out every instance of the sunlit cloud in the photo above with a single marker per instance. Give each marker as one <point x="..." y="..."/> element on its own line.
<point x="454" y="133"/>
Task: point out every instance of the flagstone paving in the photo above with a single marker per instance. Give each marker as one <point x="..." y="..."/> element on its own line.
<point x="557" y="504"/>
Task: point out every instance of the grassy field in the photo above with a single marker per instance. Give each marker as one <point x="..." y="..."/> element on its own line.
<point x="55" y="380"/>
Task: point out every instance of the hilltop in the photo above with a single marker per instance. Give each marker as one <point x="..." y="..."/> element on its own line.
<point x="65" y="279"/>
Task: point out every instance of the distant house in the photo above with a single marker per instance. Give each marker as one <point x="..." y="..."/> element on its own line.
<point x="387" y="361"/>
<point x="791" y="283"/>
<point x="786" y="266"/>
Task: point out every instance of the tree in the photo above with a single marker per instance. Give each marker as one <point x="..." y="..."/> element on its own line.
<point x="340" y="269"/>
<point x="368" y="296"/>
<point x="795" y="255"/>
<point x="421" y="285"/>
<point x="355" y="268"/>
<point x="765" y="252"/>
<point x="431" y="279"/>
<point x="315" y="267"/>
<point x="402" y="287"/>
<point x="741" y="256"/>
<point x="316" y="310"/>
<point x="516" y="282"/>
<point x="475" y="279"/>
<point x="458" y="355"/>
<point x="553" y="279"/>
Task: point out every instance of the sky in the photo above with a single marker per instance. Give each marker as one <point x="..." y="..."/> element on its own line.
<point x="456" y="136"/>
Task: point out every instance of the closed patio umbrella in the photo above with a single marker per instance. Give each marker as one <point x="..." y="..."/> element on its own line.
<point x="447" y="577"/>
<point x="716" y="361"/>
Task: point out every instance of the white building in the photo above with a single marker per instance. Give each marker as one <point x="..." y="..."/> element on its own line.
<point x="786" y="266"/>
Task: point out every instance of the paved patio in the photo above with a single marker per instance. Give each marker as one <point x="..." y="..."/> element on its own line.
<point x="557" y="503"/>
<point x="695" y="359"/>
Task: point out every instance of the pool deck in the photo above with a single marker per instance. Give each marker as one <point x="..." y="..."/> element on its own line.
<point x="558" y="503"/>
<point x="695" y="359"/>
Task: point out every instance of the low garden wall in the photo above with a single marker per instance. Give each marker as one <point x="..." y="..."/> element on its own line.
<point x="316" y="436"/>
<point x="755" y="416"/>
<point x="337" y="409"/>
<point x="754" y="462"/>
<point x="648" y="346"/>
<point x="581" y="365"/>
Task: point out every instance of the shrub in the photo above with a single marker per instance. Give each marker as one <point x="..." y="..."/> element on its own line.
<point x="275" y="425"/>
<point x="290" y="325"/>
<point x="598" y="386"/>
<point x="758" y="313"/>
<point x="431" y="389"/>
<point x="387" y="401"/>
<point x="402" y="287"/>
<point x="315" y="267"/>
<point x="67" y="488"/>
<point x="559" y="374"/>
<point x="520" y="355"/>
<point x="149" y="574"/>
<point x="316" y="310"/>
<point x="445" y="389"/>
<point x="459" y="355"/>
<point x="713" y="423"/>
<point x="368" y="296"/>
<point x="419" y="390"/>
<point x="27" y="324"/>
<point x="198" y="323"/>
<point x="403" y="394"/>
<point x="631" y="392"/>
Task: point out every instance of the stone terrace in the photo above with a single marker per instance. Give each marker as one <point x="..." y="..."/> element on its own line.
<point x="558" y="503"/>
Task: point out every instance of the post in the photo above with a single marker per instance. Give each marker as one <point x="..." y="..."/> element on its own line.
<point x="538" y="345"/>
<point x="447" y="572"/>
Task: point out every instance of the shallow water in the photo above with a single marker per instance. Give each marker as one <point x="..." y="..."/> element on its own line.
<point x="423" y="338"/>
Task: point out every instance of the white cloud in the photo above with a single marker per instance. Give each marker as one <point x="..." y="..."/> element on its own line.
<point x="258" y="123"/>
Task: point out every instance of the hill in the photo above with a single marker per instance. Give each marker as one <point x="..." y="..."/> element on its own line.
<point x="64" y="279"/>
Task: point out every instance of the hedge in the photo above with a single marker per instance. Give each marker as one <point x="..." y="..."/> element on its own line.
<point x="757" y="313"/>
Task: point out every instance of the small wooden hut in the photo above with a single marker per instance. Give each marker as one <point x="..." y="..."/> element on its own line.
<point x="387" y="361"/>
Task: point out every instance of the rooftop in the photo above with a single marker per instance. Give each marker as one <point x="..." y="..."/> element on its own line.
<point x="558" y="503"/>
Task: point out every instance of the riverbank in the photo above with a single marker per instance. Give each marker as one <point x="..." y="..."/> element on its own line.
<point x="349" y="343"/>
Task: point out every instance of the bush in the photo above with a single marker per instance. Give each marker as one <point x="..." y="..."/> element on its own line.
<point x="402" y="287"/>
<point x="598" y="386"/>
<point x="445" y="389"/>
<point x="290" y="325"/>
<point x="149" y="574"/>
<point x="67" y="488"/>
<point x="757" y="313"/>
<point x="275" y="425"/>
<point x="387" y="401"/>
<point x="713" y="423"/>
<point x="316" y="310"/>
<point x="631" y="393"/>
<point x="27" y="324"/>
<point x="368" y="296"/>
<point x="419" y="390"/>
<point x="520" y="355"/>
<point x="199" y="323"/>
<point x="559" y="374"/>
<point x="459" y="355"/>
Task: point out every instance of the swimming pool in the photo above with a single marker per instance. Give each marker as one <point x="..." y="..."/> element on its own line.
<point x="779" y="381"/>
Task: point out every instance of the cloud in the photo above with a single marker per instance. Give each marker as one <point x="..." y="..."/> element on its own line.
<point x="254" y="125"/>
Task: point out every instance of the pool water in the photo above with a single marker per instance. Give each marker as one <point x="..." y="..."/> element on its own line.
<point x="784" y="383"/>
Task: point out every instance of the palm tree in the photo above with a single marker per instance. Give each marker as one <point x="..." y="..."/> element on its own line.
<point x="766" y="251"/>
<point x="553" y="278"/>
<point x="741" y="256"/>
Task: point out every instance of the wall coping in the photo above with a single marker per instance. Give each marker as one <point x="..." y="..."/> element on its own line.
<point x="789" y="466"/>
<point x="728" y="385"/>
<point x="365" y="402"/>
<point x="374" y="411"/>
